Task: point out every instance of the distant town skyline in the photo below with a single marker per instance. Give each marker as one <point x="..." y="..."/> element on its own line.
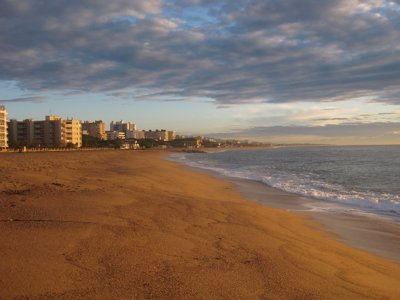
<point x="285" y="71"/>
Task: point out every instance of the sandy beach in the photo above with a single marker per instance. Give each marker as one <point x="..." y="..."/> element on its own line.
<point x="132" y="225"/>
<point x="378" y="234"/>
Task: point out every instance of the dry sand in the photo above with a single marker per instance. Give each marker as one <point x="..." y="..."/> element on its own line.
<point x="127" y="225"/>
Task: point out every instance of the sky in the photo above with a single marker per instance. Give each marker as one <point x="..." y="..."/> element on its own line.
<point x="281" y="71"/>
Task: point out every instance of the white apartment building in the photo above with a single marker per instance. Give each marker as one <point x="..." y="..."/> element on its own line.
<point x="122" y="126"/>
<point x="3" y="128"/>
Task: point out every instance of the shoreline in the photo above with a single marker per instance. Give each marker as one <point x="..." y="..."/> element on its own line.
<point x="324" y="204"/>
<point x="369" y="231"/>
<point x="131" y="224"/>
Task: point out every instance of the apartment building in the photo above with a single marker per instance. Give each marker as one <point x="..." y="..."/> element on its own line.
<point x="73" y="133"/>
<point x="96" y="129"/>
<point x="122" y="126"/>
<point x="114" y="135"/>
<point x="50" y="132"/>
<point x="136" y="134"/>
<point x="160" y="135"/>
<point x="3" y="128"/>
<point x="171" y="135"/>
<point x="21" y="133"/>
<point x="53" y="132"/>
<point x="122" y="130"/>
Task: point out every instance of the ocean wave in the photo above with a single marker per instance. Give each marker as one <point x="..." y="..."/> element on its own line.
<point x="304" y="186"/>
<point x="324" y="191"/>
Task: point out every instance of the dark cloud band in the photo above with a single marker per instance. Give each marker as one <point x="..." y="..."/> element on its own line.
<point x="230" y="51"/>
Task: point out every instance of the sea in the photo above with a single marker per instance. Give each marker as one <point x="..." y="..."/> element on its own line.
<point x="363" y="178"/>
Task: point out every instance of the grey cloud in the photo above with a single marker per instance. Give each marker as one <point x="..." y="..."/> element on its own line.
<point x="121" y="94"/>
<point x="34" y="99"/>
<point x="244" y="51"/>
<point x="356" y="130"/>
<point x="71" y="93"/>
<point x="333" y="119"/>
<point x="99" y="9"/>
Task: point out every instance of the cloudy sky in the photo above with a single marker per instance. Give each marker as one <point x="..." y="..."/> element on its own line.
<point x="273" y="70"/>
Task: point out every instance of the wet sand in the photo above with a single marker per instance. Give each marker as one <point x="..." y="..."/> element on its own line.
<point x="378" y="234"/>
<point x="128" y="225"/>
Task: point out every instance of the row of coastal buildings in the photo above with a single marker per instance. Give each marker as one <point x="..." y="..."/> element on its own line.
<point x="55" y="132"/>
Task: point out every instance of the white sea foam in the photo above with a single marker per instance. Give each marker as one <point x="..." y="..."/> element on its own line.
<point x="323" y="191"/>
<point x="304" y="185"/>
